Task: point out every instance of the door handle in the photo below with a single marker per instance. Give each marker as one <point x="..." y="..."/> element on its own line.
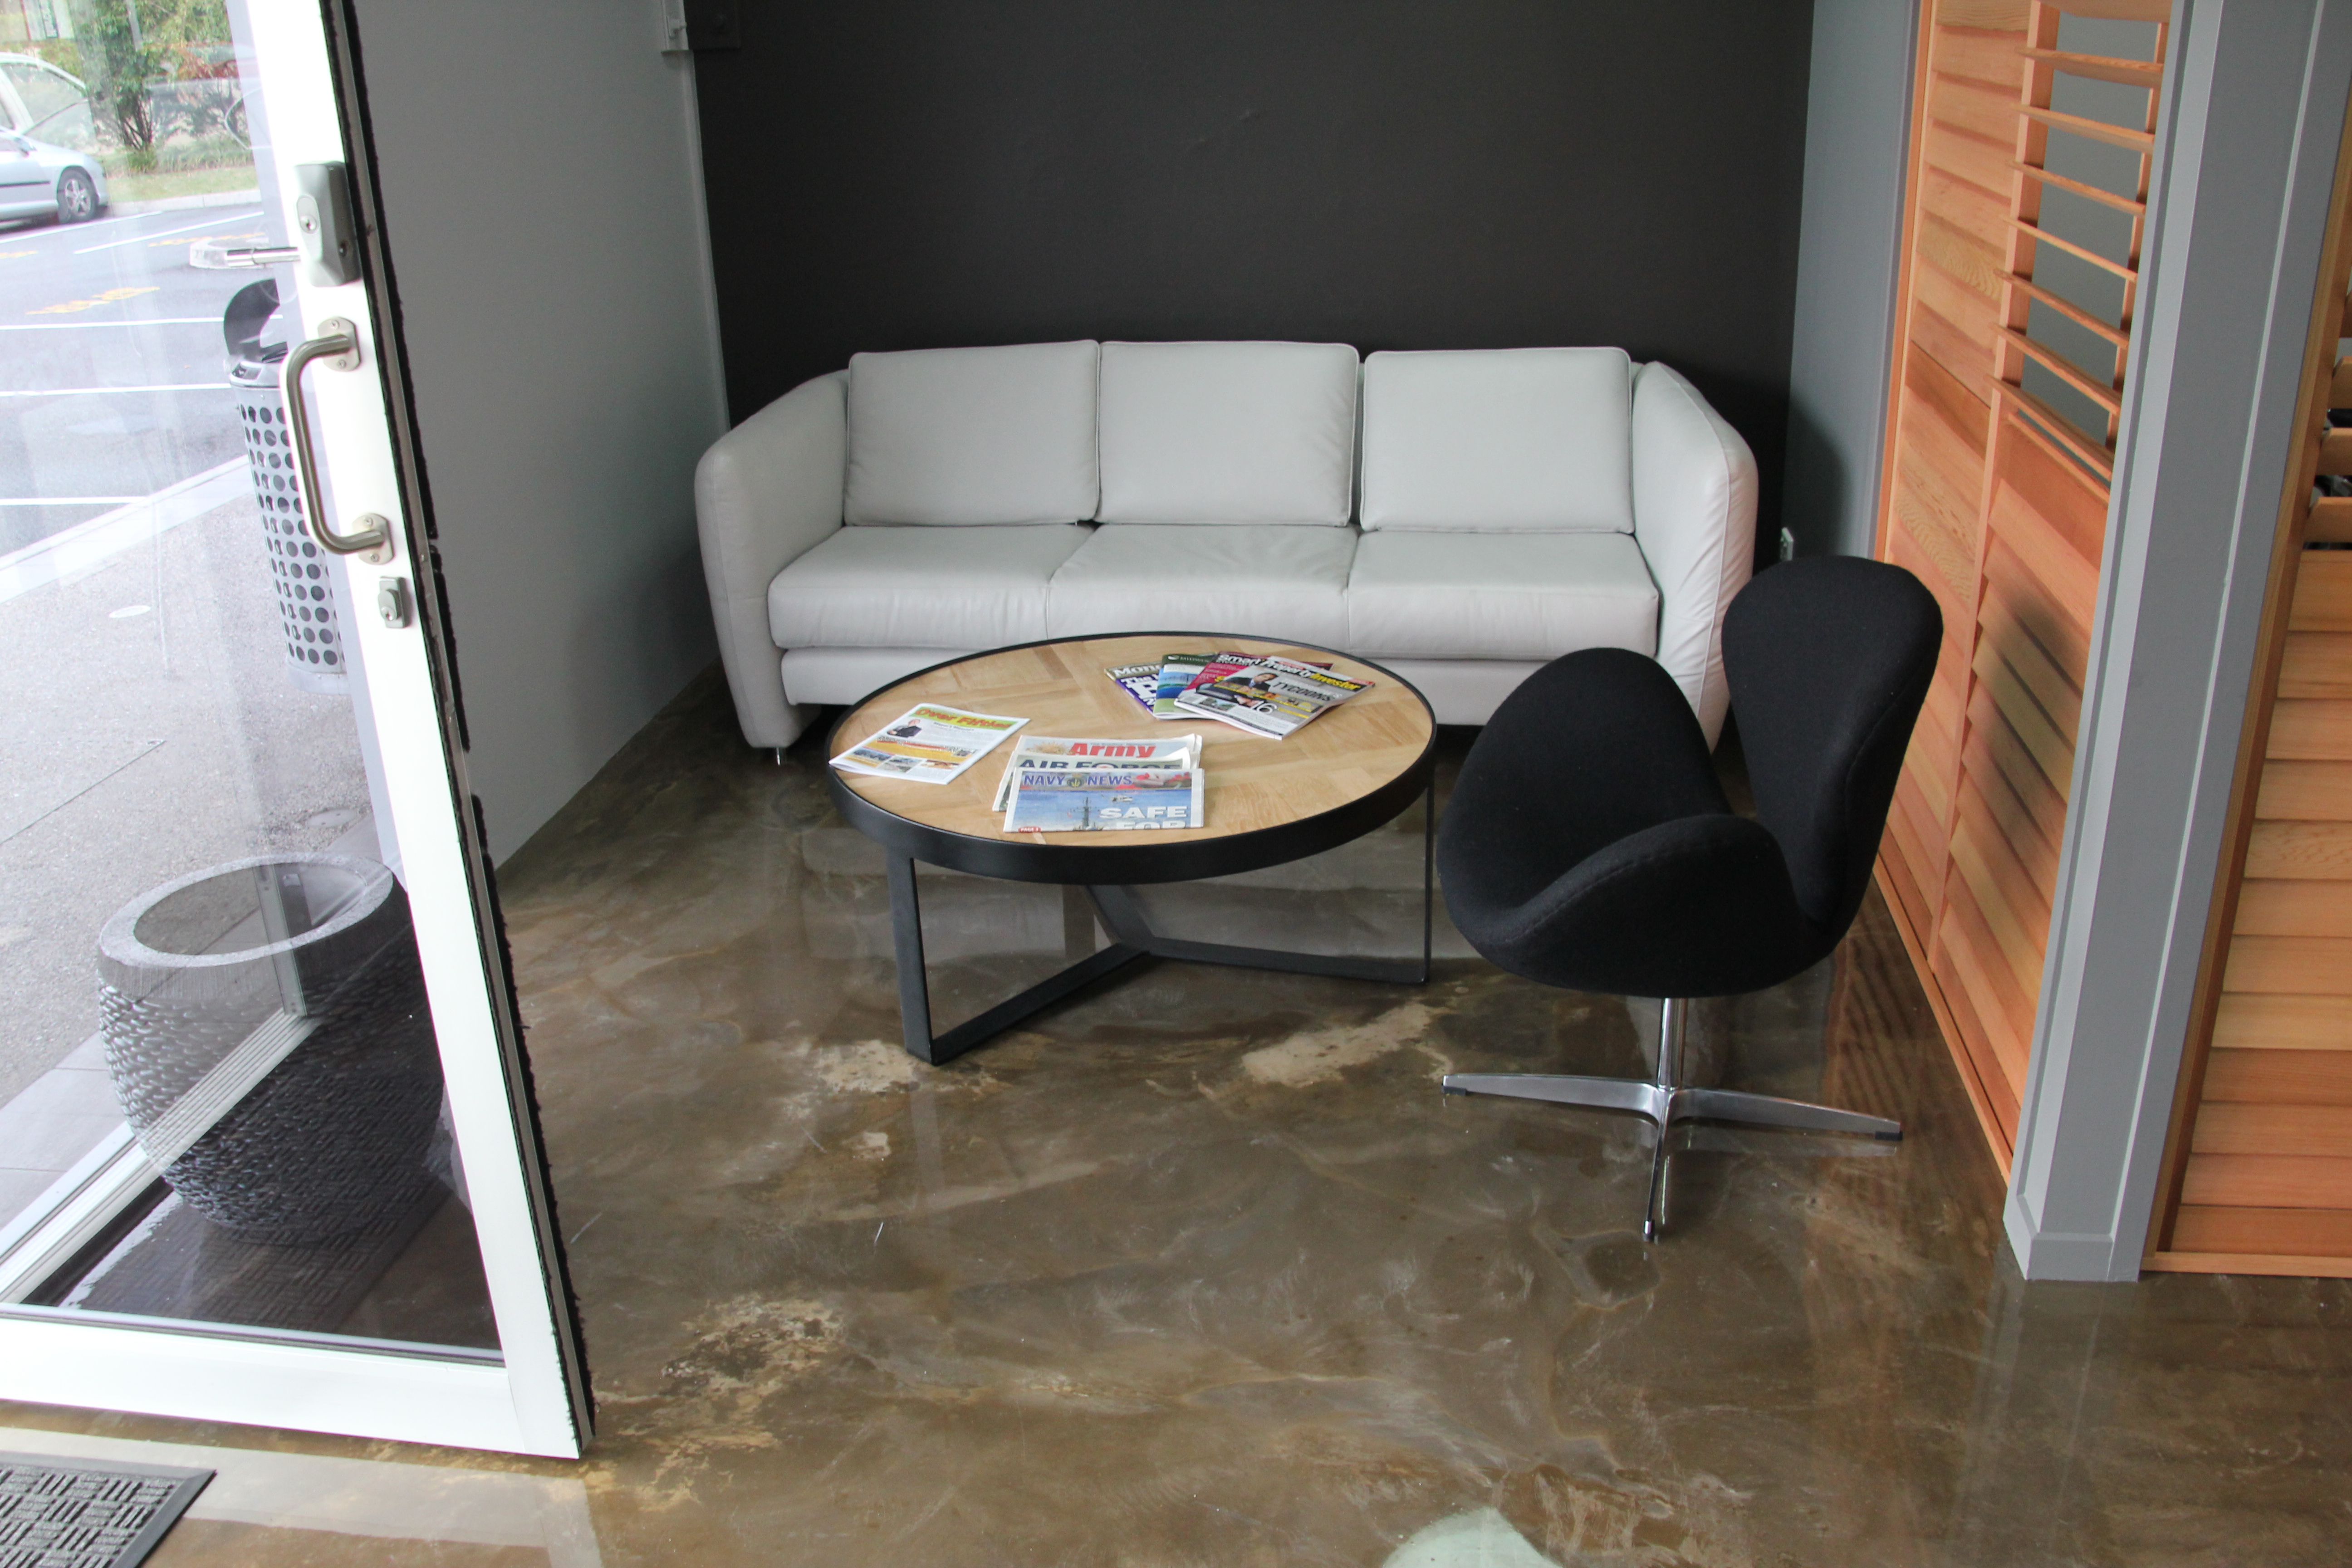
<point x="338" y="343"/>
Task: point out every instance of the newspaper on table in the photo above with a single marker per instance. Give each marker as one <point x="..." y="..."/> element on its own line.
<point x="1176" y="672"/>
<point x="1271" y="695"/>
<point x="1079" y="800"/>
<point x="1056" y="753"/>
<point x="928" y="742"/>
<point x="1140" y="681"/>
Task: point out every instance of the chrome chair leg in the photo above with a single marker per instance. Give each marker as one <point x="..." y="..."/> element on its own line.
<point x="1666" y="1100"/>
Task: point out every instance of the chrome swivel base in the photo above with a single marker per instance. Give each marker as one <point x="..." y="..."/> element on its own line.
<point x="1666" y="1101"/>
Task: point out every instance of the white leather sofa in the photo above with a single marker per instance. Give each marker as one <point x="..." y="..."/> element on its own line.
<point x="1460" y="517"/>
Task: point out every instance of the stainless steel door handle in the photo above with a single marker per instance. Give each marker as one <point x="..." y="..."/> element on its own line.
<point x="338" y="343"/>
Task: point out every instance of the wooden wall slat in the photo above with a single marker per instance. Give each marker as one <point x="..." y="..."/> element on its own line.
<point x="2053" y="687"/>
<point x="2252" y="1020"/>
<point x="1983" y="1058"/>
<point x="2012" y="909"/>
<point x="2005" y="1012"/>
<point x="1971" y="208"/>
<point x="2072" y="578"/>
<point x="2052" y="749"/>
<point x="1983" y="109"/>
<point x="2309" y="791"/>
<point x="2292" y="966"/>
<point x="2312" y="730"/>
<point x="2290" y="1233"/>
<point x="2270" y="1077"/>
<point x="2235" y="1128"/>
<point x="2323" y="593"/>
<point x="1981" y="47"/>
<point x="2317" y="664"/>
<point x="2035" y="852"/>
<point x="2308" y="850"/>
<point x="2065" y="639"/>
<point x="2043" y="796"/>
<point x="2268" y="1180"/>
<point x="1974" y="159"/>
<point x="2294" y="907"/>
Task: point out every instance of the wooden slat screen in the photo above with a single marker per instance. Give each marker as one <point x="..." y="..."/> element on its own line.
<point x="2019" y="284"/>
<point x="2258" y="1169"/>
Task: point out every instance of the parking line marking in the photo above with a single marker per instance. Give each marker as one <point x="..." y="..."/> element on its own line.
<point x="167" y="387"/>
<point x="108" y="297"/>
<point x="213" y="222"/>
<point x="83" y="230"/>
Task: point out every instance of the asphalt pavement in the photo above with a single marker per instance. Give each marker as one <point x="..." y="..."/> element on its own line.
<point x="148" y="724"/>
<point x="112" y="370"/>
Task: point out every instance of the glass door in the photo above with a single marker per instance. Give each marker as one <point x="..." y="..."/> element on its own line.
<point x="266" y="1147"/>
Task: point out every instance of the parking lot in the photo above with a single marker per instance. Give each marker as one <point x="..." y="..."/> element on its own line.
<point x="148" y="726"/>
<point x="111" y="364"/>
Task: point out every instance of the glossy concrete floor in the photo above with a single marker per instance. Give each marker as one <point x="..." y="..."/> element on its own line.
<point x="1202" y="1269"/>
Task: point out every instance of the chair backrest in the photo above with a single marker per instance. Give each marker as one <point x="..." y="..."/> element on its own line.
<point x="1829" y="659"/>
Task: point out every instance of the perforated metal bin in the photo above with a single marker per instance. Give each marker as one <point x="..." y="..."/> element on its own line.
<point x="317" y="646"/>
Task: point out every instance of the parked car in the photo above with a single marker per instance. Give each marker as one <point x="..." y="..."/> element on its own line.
<point x="36" y="99"/>
<point x="39" y="180"/>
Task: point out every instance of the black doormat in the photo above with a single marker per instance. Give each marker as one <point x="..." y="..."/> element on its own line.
<point x="63" y="1513"/>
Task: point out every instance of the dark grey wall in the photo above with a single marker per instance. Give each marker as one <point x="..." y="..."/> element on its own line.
<point x="1392" y="173"/>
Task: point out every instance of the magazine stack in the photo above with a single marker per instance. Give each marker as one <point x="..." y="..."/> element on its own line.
<point x="1259" y="694"/>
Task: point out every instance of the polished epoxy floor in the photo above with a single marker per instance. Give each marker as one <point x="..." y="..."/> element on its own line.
<point x="1202" y="1269"/>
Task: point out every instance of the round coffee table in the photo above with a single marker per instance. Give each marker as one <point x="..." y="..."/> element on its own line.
<point x="1267" y="802"/>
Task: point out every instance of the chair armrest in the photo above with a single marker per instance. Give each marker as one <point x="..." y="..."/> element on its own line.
<point x="1694" y="519"/>
<point x="767" y="492"/>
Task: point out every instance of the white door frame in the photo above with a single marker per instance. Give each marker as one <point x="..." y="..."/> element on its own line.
<point x="531" y="1396"/>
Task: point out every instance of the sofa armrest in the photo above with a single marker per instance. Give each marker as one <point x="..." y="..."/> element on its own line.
<point x="1694" y="519"/>
<point x="765" y="493"/>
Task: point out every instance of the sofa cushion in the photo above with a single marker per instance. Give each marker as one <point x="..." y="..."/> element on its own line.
<point x="1265" y="581"/>
<point x="1499" y="595"/>
<point x="972" y="436"/>
<point x="1248" y="432"/>
<point x="1499" y="440"/>
<point x="921" y="587"/>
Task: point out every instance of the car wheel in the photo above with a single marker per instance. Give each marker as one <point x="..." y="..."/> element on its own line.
<point x="77" y="197"/>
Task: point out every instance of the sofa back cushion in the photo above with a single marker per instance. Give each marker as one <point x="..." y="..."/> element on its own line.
<point x="1234" y="432"/>
<point x="972" y="436"/>
<point x="1499" y="440"/>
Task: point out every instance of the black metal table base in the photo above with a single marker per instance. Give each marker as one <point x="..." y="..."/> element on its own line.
<point x="1121" y="914"/>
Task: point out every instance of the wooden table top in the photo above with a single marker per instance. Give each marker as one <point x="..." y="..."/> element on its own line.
<point x="1351" y="751"/>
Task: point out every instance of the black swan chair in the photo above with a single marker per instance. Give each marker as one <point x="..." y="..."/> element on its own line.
<point x="1587" y="846"/>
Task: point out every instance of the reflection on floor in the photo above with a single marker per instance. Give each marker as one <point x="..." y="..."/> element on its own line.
<point x="1203" y="1270"/>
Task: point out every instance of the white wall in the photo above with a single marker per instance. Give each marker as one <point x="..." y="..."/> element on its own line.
<point x="542" y="188"/>
<point x="1857" y="114"/>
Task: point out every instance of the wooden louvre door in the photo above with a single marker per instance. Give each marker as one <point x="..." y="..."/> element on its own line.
<point x="2032" y="130"/>
<point x="2257" y="1176"/>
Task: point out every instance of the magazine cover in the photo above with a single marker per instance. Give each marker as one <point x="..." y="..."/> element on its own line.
<point x="928" y="742"/>
<point x="1271" y="696"/>
<point x="1083" y="800"/>
<point x="1055" y="754"/>
<point x="1176" y="673"/>
<point x="1140" y="681"/>
<point x="1220" y="667"/>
